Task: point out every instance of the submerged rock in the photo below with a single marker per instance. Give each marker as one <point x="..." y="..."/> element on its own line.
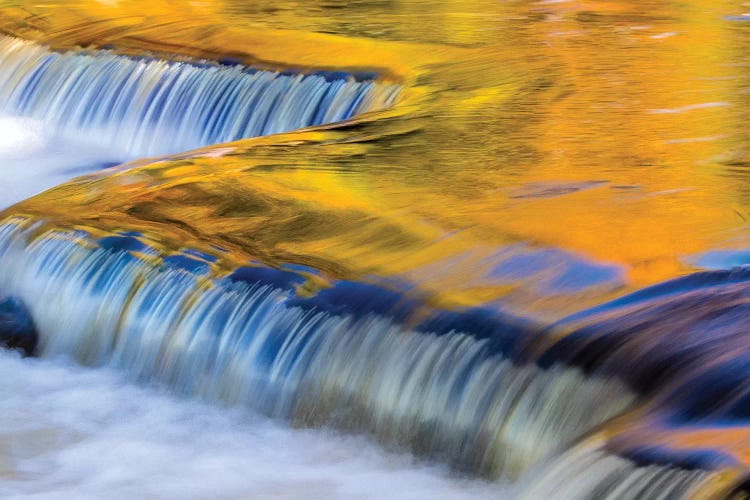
<point x="17" y="330"/>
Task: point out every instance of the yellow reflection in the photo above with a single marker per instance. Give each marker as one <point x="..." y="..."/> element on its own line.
<point x="604" y="129"/>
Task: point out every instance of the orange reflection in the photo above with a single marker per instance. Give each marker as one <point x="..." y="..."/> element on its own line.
<point x="599" y="128"/>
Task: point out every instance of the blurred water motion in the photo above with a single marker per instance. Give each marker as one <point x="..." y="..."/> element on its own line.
<point x="150" y="107"/>
<point x="521" y="267"/>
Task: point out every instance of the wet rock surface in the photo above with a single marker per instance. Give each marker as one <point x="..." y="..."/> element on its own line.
<point x="17" y="329"/>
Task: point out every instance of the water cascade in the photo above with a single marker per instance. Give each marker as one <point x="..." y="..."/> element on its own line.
<point x="587" y="471"/>
<point x="447" y="396"/>
<point x="145" y="107"/>
<point x="486" y="394"/>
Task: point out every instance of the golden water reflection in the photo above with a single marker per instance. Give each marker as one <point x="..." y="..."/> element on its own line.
<point x="546" y="155"/>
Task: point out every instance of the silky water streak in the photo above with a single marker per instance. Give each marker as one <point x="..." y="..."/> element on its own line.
<point x="448" y="396"/>
<point x="145" y="107"/>
<point x="64" y="114"/>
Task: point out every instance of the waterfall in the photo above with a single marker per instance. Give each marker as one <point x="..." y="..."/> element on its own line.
<point x="446" y="396"/>
<point x="588" y="472"/>
<point x="144" y="107"/>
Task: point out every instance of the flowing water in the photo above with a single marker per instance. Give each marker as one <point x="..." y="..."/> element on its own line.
<point x="371" y="249"/>
<point x="64" y="114"/>
<point x="74" y="433"/>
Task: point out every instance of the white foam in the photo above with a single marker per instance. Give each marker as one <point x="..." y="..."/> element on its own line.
<point x="20" y="137"/>
<point x="71" y="432"/>
<point x="32" y="159"/>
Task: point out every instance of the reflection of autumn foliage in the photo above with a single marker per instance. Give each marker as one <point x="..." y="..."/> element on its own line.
<point x="568" y="101"/>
